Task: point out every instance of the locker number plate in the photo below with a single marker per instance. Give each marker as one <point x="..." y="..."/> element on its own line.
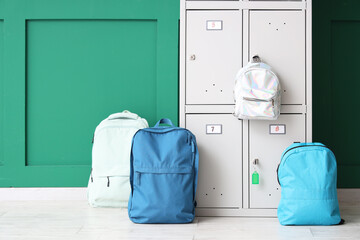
<point x="277" y="129"/>
<point x="214" y="25"/>
<point x="213" y="129"/>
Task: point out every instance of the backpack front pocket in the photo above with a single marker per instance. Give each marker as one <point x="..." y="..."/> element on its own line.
<point x="163" y="194"/>
<point x="253" y="107"/>
<point x="109" y="191"/>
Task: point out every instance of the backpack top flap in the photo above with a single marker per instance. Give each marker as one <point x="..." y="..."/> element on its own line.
<point x="308" y="168"/>
<point x="257" y="80"/>
<point x="163" y="149"/>
<point x="112" y="144"/>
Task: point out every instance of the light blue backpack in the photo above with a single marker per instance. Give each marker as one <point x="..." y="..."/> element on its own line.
<point x="163" y="175"/>
<point x="307" y="174"/>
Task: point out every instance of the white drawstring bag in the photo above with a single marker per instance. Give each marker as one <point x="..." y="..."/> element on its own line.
<point x="257" y="92"/>
<point x="109" y="184"/>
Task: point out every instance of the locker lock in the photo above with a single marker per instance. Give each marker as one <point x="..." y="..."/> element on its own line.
<point x="192" y="57"/>
<point x="256" y="161"/>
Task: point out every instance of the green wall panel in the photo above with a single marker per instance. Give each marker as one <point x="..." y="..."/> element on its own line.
<point x="345" y="89"/>
<point x="345" y="94"/>
<point x="69" y="64"/>
<point x="1" y="90"/>
<point x="336" y="36"/>
<point x="79" y="71"/>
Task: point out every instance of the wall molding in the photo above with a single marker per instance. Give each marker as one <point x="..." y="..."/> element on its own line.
<point x="43" y="194"/>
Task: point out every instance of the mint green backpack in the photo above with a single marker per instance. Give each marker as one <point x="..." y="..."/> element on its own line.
<point x="109" y="179"/>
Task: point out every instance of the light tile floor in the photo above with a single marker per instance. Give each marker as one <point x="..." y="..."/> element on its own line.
<point x="37" y="220"/>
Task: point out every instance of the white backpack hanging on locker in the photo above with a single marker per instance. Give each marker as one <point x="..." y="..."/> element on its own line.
<point x="257" y="92"/>
<point x="109" y="184"/>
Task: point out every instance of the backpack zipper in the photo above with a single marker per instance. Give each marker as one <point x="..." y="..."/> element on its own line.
<point x="301" y="147"/>
<point x="260" y="100"/>
<point x="138" y="176"/>
<point x="110" y="126"/>
<point x="277" y="170"/>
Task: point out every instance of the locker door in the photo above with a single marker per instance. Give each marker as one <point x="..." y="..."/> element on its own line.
<point x="213" y="55"/>
<point x="219" y="139"/>
<point x="279" y="39"/>
<point x="268" y="140"/>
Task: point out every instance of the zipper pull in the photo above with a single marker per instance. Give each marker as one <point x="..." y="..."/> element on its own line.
<point x="92" y="141"/>
<point x="138" y="178"/>
<point x="192" y="147"/>
<point x="273" y="102"/>
<point x="108" y="184"/>
<point x="91" y="176"/>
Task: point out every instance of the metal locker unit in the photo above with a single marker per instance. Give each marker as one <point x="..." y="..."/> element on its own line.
<point x="217" y="38"/>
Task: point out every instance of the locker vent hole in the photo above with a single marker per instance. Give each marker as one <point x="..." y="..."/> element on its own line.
<point x="277" y="188"/>
<point x="284" y="90"/>
<point x="269" y="23"/>
<point x="269" y="194"/>
<point x="205" y="90"/>
<point x="284" y="23"/>
<point x="220" y="90"/>
<point x="214" y="84"/>
<point x="213" y="188"/>
<point x="221" y="194"/>
<point x="277" y="29"/>
<point x="206" y="194"/>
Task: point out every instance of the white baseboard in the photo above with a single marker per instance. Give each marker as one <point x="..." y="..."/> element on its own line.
<point x="45" y="194"/>
<point x="349" y="196"/>
<point x="345" y="195"/>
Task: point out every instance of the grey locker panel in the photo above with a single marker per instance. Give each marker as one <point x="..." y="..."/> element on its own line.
<point x="267" y="148"/>
<point x="279" y="39"/>
<point x="213" y="55"/>
<point x="220" y="166"/>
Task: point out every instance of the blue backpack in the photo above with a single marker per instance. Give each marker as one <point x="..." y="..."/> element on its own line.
<point x="163" y="175"/>
<point x="307" y="175"/>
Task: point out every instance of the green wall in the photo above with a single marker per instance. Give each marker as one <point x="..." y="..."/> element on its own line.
<point x="1" y="91"/>
<point x="65" y="65"/>
<point x="68" y="65"/>
<point x="336" y="84"/>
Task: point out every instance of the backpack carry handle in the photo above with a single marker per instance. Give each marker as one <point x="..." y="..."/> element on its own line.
<point x="123" y="115"/>
<point x="164" y="121"/>
<point x="256" y="59"/>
